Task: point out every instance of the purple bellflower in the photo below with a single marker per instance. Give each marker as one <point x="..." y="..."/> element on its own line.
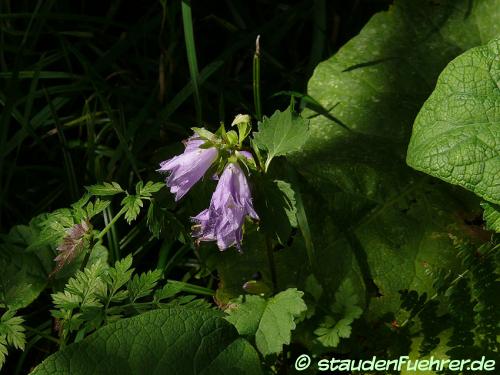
<point x="230" y="204"/>
<point x="189" y="167"/>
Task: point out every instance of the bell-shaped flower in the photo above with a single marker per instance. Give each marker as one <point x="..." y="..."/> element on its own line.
<point x="189" y="167"/>
<point x="230" y="204"/>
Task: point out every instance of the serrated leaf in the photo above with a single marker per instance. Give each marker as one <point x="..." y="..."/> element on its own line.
<point x="3" y="350"/>
<point x="456" y="135"/>
<point x="148" y="189"/>
<point x="171" y="338"/>
<point x="169" y="290"/>
<point x="133" y="205"/>
<point x="282" y="133"/>
<point x="245" y="314"/>
<point x="142" y="285"/>
<point x="330" y="332"/>
<point x="271" y="320"/>
<point x="86" y="282"/>
<point x="105" y="189"/>
<point x="66" y="300"/>
<point x="11" y="328"/>
<point x="491" y="216"/>
<point x="72" y="245"/>
<point x="53" y="227"/>
<point x="120" y="274"/>
<point x="346" y="301"/>
<point x="95" y="208"/>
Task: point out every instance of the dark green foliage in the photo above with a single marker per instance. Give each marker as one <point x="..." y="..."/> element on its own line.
<point x="355" y="253"/>
<point x="466" y="304"/>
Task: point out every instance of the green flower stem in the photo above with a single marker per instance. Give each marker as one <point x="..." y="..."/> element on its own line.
<point x="93" y="240"/>
<point x="256" y="79"/>
<point x="111" y="223"/>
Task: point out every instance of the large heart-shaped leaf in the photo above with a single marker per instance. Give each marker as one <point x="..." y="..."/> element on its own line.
<point x="176" y="340"/>
<point x="375" y="85"/>
<point x="456" y="135"/>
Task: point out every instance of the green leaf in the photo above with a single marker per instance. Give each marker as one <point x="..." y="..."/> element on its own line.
<point x="177" y="340"/>
<point x="271" y="320"/>
<point x="3" y="350"/>
<point x="380" y="79"/>
<point x="250" y="268"/>
<point x="105" y="189"/>
<point x="142" y="285"/>
<point x="346" y="307"/>
<point x="204" y="134"/>
<point x="456" y="136"/>
<point x="53" y="227"/>
<point x="347" y="301"/>
<point x="275" y="203"/>
<point x="330" y="332"/>
<point x="85" y="284"/>
<point x="95" y="208"/>
<point x="145" y="191"/>
<point x="281" y="134"/>
<point x="245" y="314"/>
<point x="11" y="328"/>
<point x="120" y="274"/>
<point x="133" y="205"/>
<point x="372" y="217"/>
<point x="491" y="216"/>
<point x="24" y="273"/>
<point x="169" y="290"/>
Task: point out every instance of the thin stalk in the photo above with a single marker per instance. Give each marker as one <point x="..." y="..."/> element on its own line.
<point x="42" y="334"/>
<point x="187" y="22"/>
<point x="111" y="223"/>
<point x="93" y="240"/>
<point x="113" y="243"/>
<point x="256" y="79"/>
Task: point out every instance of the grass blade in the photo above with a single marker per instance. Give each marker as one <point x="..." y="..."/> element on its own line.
<point x="256" y="79"/>
<point x="187" y="22"/>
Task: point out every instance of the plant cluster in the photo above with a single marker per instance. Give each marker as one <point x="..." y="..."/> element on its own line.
<point x="362" y="220"/>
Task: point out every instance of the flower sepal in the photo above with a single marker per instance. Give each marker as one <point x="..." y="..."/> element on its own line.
<point x="246" y="158"/>
<point x="205" y="134"/>
<point x="232" y="139"/>
<point x="244" y="127"/>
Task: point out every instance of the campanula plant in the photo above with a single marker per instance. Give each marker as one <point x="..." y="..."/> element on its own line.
<point x="231" y="202"/>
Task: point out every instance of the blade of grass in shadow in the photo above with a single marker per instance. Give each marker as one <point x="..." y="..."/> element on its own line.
<point x="112" y="236"/>
<point x="68" y="162"/>
<point x="256" y="79"/>
<point x="301" y="214"/>
<point x="311" y="103"/>
<point x="318" y="35"/>
<point x="99" y="86"/>
<point x="187" y="22"/>
<point x="187" y="90"/>
<point x="242" y="42"/>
